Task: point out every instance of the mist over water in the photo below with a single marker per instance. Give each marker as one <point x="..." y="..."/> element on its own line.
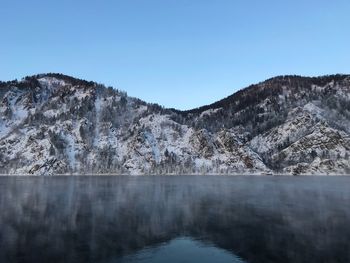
<point x="111" y="219"/>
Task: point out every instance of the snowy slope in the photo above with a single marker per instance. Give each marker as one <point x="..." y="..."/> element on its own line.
<point x="55" y="124"/>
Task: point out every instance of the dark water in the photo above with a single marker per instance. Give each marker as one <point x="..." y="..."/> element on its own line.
<point x="175" y="219"/>
<point x="184" y="250"/>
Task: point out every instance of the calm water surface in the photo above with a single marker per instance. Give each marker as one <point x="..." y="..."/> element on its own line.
<point x="175" y="219"/>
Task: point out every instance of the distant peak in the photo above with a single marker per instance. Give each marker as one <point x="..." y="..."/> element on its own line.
<point x="67" y="79"/>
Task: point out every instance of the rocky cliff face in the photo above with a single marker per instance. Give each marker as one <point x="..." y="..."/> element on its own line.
<point x="55" y="124"/>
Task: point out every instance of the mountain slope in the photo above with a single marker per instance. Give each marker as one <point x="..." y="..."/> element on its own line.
<point x="56" y="124"/>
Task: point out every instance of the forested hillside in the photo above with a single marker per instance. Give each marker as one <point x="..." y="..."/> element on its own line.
<point x="56" y="124"/>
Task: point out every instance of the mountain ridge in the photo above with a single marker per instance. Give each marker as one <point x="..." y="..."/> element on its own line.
<point x="53" y="123"/>
<point x="252" y="86"/>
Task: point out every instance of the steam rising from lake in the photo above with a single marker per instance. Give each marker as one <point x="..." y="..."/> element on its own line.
<point x="105" y="219"/>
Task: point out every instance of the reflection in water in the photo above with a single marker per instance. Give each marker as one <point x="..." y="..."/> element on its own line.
<point x="182" y="250"/>
<point x="101" y="219"/>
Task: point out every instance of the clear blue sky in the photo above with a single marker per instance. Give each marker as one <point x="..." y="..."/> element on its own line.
<point x="178" y="53"/>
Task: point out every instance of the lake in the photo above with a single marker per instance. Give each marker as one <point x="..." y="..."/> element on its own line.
<point x="175" y="219"/>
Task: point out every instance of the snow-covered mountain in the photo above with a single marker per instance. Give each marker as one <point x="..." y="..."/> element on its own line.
<point x="56" y="124"/>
